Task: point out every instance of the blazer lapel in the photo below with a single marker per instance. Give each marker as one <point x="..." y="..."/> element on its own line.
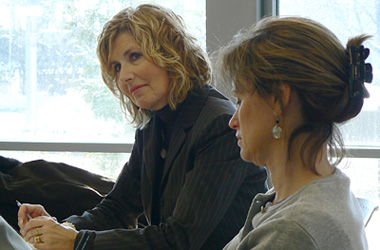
<point x="188" y="113"/>
<point x="151" y="148"/>
<point x="176" y="143"/>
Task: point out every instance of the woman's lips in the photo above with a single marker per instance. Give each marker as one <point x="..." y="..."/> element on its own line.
<point x="238" y="136"/>
<point x="239" y="139"/>
<point x="134" y="89"/>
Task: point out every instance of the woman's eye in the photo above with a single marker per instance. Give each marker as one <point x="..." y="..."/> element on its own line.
<point x="135" y="56"/>
<point x="238" y="102"/>
<point x="117" y="68"/>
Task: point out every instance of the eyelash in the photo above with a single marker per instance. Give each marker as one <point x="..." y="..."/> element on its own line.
<point x="238" y="102"/>
<point x="117" y="67"/>
<point x="132" y="57"/>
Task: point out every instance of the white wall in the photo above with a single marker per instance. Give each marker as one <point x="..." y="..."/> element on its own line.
<point x="226" y="17"/>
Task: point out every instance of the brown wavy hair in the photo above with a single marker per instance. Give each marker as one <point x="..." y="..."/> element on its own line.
<point x="165" y="41"/>
<point x="308" y="57"/>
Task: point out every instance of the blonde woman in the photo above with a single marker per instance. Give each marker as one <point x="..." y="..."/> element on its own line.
<point x="295" y="83"/>
<point x="184" y="174"/>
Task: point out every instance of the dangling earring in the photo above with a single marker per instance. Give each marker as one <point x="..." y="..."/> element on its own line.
<point x="277" y="130"/>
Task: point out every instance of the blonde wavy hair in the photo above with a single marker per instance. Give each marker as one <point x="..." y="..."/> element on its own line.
<point x="164" y="40"/>
<point x="308" y="57"/>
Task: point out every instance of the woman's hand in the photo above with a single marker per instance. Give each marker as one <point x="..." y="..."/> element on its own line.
<point x="32" y="211"/>
<point x="45" y="232"/>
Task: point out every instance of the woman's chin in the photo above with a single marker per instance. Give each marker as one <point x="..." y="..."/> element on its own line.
<point x="244" y="156"/>
<point x="249" y="158"/>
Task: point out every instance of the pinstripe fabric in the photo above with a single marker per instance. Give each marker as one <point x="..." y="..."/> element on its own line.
<point x="206" y="188"/>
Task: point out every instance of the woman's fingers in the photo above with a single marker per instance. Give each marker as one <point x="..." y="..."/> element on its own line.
<point x="53" y="236"/>
<point x="36" y="226"/>
<point x="28" y="211"/>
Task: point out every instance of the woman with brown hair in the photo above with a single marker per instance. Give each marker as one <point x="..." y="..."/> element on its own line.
<point x="295" y="83"/>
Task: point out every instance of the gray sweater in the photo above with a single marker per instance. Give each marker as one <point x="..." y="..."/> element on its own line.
<point x="324" y="214"/>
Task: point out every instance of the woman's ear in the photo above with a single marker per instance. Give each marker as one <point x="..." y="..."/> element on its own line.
<point x="285" y="92"/>
<point x="282" y="100"/>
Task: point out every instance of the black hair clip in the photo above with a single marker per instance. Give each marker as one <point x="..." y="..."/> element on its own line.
<point x="360" y="71"/>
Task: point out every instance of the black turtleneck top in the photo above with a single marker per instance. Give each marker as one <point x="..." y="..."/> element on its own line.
<point x="164" y="120"/>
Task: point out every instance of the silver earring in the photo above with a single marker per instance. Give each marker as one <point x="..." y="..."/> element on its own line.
<point x="277" y="130"/>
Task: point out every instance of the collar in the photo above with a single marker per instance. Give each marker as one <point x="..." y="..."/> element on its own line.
<point x="191" y="107"/>
<point x="187" y="112"/>
<point x="166" y="114"/>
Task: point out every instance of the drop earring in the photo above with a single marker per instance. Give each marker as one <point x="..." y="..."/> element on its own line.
<point x="277" y="130"/>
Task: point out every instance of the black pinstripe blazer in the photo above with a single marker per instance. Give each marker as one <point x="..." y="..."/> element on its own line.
<point x="205" y="192"/>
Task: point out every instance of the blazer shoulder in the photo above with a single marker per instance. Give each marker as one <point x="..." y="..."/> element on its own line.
<point x="217" y="104"/>
<point x="215" y="116"/>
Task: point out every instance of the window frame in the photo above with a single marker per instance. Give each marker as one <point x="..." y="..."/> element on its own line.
<point x="219" y="31"/>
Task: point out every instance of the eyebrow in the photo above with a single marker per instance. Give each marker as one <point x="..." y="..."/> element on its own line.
<point x="128" y="51"/>
<point x="235" y="92"/>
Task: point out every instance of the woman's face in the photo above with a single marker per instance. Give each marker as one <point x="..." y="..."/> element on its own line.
<point x="143" y="81"/>
<point x="253" y="121"/>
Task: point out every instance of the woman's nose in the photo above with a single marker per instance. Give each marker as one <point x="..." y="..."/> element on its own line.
<point x="125" y="74"/>
<point x="234" y="123"/>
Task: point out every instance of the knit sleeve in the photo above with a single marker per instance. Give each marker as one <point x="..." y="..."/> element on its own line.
<point x="278" y="234"/>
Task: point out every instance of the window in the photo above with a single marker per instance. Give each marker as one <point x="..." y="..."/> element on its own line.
<point x="64" y="112"/>
<point x="348" y="18"/>
<point x="52" y="97"/>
